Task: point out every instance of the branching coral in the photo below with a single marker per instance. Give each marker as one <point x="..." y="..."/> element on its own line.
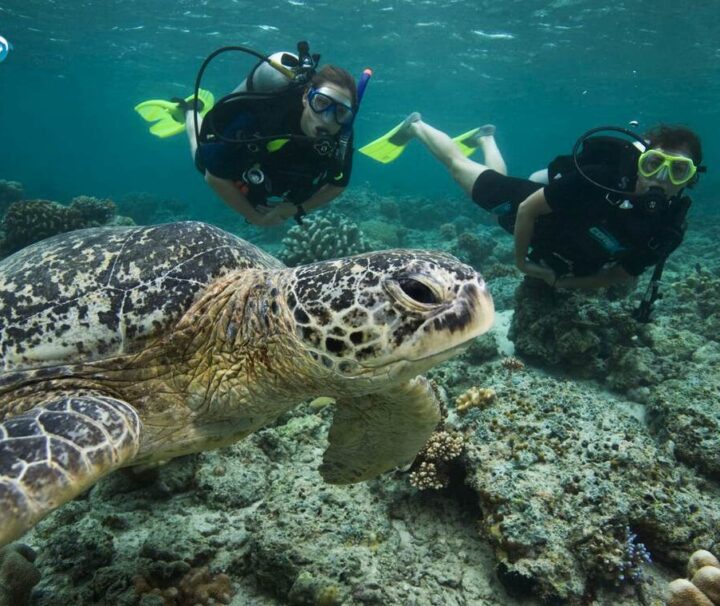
<point x="198" y="587"/>
<point x="512" y="364"/>
<point x="430" y="467"/>
<point x="327" y="236"/>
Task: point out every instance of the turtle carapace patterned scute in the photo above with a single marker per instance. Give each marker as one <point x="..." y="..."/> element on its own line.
<point x="129" y="345"/>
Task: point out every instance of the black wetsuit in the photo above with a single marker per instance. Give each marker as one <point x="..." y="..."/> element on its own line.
<point x="589" y="227"/>
<point x="292" y="170"/>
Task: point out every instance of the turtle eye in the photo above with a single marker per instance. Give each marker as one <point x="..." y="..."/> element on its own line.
<point x="418" y="291"/>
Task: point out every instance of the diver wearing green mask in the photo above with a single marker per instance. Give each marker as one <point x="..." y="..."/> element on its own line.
<point x="605" y="214"/>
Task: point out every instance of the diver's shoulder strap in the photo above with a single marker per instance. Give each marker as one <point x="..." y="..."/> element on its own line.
<point x="269" y="108"/>
<point x="599" y="150"/>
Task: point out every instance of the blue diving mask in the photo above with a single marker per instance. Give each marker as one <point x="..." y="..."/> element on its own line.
<point x="321" y="102"/>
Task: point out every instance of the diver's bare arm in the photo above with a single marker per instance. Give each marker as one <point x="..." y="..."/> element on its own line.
<point x="602" y="279"/>
<point x="326" y="194"/>
<point x="529" y="210"/>
<point x="232" y="196"/>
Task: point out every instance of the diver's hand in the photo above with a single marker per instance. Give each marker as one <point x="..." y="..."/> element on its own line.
<point x="267" y="216"/>
<point x="534" y="270"/>
<point x="286" y="210"/>
<point x="703" y="588"/>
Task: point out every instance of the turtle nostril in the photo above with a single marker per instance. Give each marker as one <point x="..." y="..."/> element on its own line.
<point x="418" y="291"/>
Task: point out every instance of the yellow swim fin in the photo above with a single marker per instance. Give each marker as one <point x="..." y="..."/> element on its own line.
<point x="469" y="142"/>
<point x="388" y="147"/>
<point x="167" y="116"/>
<point x="466" y="142"/>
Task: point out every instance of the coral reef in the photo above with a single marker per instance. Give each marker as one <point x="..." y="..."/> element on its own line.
<point x="320" y="237"/>
<point x="562" y="475"/>
<point x="94" y="210"/>
<point x="10" y="192"/>
<point x="147" y="209"/>
<point x="30" y="221"/>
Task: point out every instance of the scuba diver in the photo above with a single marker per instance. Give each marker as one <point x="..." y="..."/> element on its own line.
<point x="611" y="209"/>
<point x="279" y="145"/>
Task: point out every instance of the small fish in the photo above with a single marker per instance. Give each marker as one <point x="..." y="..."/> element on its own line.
<point x="5" y="48"/>
<point x="634" y="123"/>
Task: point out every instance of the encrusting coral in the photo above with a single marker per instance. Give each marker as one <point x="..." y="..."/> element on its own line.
<point x="327" y="236"/>
<point x="475" y="397"/>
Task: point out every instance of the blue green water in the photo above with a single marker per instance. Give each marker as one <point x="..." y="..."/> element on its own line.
<point x="543" y="72"/>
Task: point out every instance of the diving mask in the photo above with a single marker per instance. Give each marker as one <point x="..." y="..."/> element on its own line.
<point x="321" y="102"/>
<point x="662" y="166"/>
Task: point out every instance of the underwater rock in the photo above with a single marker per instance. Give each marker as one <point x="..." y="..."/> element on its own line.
<point x="385" y="233"/>
<point x="321" y="237"/>
<point x="10" y="192"/>
<point x="18" y="574"/>
<point x="684" y="412"/>
<point x="474" y="249"/>
<point x="572" y="331"/>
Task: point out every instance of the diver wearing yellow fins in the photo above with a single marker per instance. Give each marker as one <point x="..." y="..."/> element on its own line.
<point x="279" y="145"/>
<point x="604" y="214"/>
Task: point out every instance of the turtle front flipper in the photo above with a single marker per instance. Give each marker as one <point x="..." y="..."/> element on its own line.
<point x="53" y="452"/>
<point x="375" y="433"/>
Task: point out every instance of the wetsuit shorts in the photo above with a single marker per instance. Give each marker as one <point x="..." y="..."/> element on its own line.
<point x="500" y="194"/>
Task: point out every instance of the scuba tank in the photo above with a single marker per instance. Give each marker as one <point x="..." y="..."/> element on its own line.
<point x="265" y="78"/>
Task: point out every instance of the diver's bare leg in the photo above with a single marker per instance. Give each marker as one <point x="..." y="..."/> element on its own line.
<point x="463" y="170"/>
<point x="491" y="151"/>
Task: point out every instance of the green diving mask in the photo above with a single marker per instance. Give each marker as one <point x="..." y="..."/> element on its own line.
<point x="660" y="165"/>
<point x="322" y="103"/>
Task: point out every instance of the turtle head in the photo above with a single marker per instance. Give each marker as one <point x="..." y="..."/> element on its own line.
<point x="390" y="314"/>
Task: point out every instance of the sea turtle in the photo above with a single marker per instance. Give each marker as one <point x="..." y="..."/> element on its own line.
<point x="129" y="345"/>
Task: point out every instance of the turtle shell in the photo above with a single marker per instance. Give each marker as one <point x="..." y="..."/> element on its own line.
<point x="101" y="292"/>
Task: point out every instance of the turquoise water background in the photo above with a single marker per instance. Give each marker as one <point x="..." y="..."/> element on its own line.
<point x="543" y="72"/>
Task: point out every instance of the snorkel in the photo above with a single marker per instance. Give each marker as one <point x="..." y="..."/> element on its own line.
<point x="346" y="130"/>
